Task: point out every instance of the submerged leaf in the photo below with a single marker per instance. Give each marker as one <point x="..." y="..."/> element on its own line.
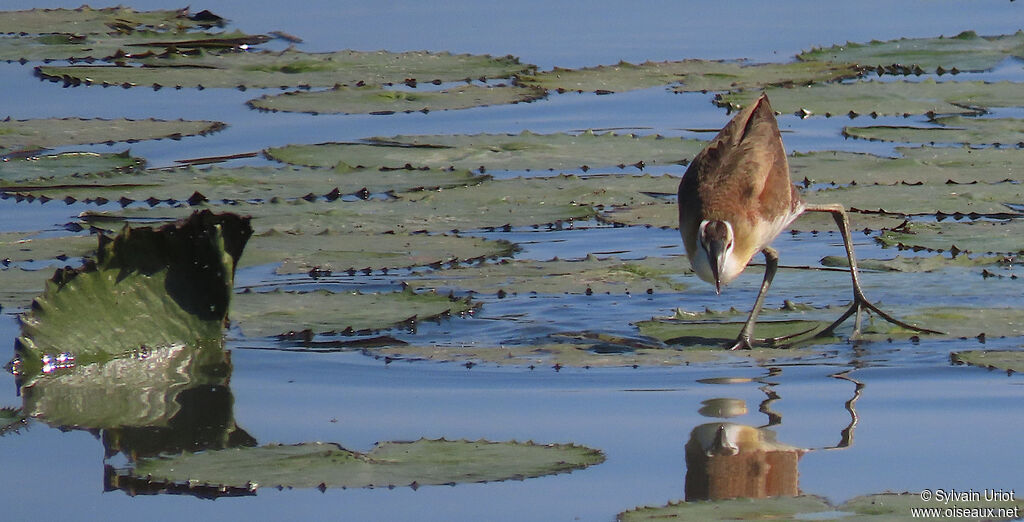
<point x="417" y="463"/>
<point x="261" y="314"/>
<point x="772" y="508"/>
<point x="117" y="46"/>
<point x="522" y="151"/>
<point x="46" y="133"/>
<point x="371" y="99"/>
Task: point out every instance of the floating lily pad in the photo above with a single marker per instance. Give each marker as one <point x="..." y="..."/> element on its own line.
<point x="980" y="198"/>
<point x="147" y="289"/>
<point x="885" y="98"/>
<point x="117" y="46"/>
<point x="932" y="165"/>
<point x="773" y="508"/>
<point x="522" y="151"/>
<point x="714" y="334"/>
<point x="1012" y="360"/>
<point x="965" y="52"/>
<point x="20" y="246"/>
<point x="970" y="322"/>
<point x="86" y="20"/>
<point x="1002" y="237"/>
<point x="370" y="99"/>
<point x="261" y="314"/>
<point x="592" y="275"/>
<point x="300" y="253"/>
<point x="954" y="129"/>
<point x="18" y="286"/>
<point x="62" y="166"/>
<point x="388" y="464"/>
<point x="240" y="183"/>
<point x="53" y="132"/>
<point x="12" y="420"/>
<point x="495" y="203"/>
<point x="911" y="264"/>
<point x="881" y="506"/>
<point x="290" y="68"/>
<point x="690" y="75"/>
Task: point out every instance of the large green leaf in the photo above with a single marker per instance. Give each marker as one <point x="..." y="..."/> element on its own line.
<point x="522" y="151"/>
<point x="690" y="75"/>
<point x="266" y="69"/>
<point x="148" y="288"/>
<point x="591" y="275"/>
<point x="53" y="132"/>
<point x="261" y="314"/>
<point x="885" y="98"/>
<point x="417" y="463"/>
<point x="954" y="129"/>
<point x="57" y="168"/>
<point x="371" y="99"/>
<point x="300" y="253"/>
<point x="965" y="52"/>
<point x="86" y="20"/>
<point x="240" y="183"/>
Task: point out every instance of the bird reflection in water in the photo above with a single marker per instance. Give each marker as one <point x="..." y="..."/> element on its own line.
<point x="728" y="460"/>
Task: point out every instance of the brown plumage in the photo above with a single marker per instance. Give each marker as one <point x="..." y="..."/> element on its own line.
<point x="734" y="200"/>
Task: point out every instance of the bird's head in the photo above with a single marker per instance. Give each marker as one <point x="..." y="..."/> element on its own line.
<point x="715" y="242"/>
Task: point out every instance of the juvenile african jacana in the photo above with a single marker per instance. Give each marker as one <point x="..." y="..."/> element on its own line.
<point x="736" y="197"/>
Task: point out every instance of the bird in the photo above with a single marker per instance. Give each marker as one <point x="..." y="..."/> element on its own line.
<point x="736" y="196"/>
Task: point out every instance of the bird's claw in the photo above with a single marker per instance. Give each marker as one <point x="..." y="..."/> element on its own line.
<point x="861" y="304"/>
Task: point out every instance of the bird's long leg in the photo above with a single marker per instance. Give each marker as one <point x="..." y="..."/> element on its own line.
<point x="771" y="265"/>
<point x="859" y="301"/>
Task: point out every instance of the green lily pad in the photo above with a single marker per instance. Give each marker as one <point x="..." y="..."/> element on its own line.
<point x="911" y="264"/>
<point x="370" y="99"/>
<point x="272" y="69"/>
<point x="955" y="129"/>
<point x="138" y="391"/>
<point x="495" y="203"/>
<point x="965" y="52"/>
<point x="86" y="20"/>
<point x="592" y="275"/>
<point x="147" y="289"/>
<point x="19" y="246"/>
<point x="53" y="132"/>
<point x="971" y="322"/>
<point x="522" y="151"/>
<point x="240" y="183"/>
<point x="931" y="165"/>
<point x="885" y="98"/>
<point x="262" y="314"/>
<point x="880" y="506"/>
<point x="417" y="463"/>
<point x="689" y="75"/>
<point x="117" y="46"/>
<point x="714" y="334"/>
<point x="62" y="166"/>
<point x="1001" y="237"/>
<point x="772" y="508"/>
<point x="18" y="286"/>
<point x="980" y="198"/>
<point x="1012" y="360"/>
<point x="300" y="253"/>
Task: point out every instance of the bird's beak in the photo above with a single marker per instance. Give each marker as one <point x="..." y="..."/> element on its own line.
<point x="716" y="258"/>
